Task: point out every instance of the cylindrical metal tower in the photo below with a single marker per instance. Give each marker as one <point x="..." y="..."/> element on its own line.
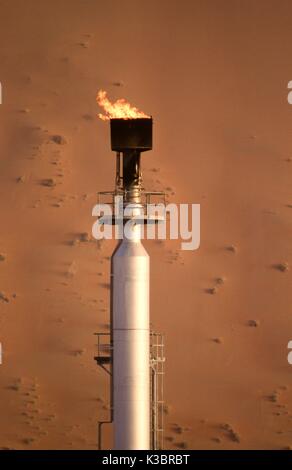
<point x="134" y="398"/>
<point x="130" y="316"/>
<point x="130" y="295"/>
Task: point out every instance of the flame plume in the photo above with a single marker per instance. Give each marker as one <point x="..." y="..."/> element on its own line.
<point x="119" y="109"/>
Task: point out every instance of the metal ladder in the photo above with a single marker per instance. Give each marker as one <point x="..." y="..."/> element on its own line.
<point x="157" y="360"/>
<point x="103" y="359"/>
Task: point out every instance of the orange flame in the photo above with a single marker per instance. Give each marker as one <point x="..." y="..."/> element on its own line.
<point x="119" y="109"/>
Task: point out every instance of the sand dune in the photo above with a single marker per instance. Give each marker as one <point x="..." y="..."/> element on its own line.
<point x="214" y="77"/>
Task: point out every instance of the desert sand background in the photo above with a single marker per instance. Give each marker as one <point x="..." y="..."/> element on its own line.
<point x="214" y="76"/>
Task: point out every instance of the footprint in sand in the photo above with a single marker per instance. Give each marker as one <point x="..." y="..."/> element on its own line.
<point x="282" y="267"/>
<point x="219" y="281"/>
<point x="48" y="182"/>
<point x="231" y="249"/>
<point x="218" y="340"/>
<point x="211" y="290"/>
<point x="58" y="139"/>
<point x="253" y="323"/>
<point x="4" y="298"/>
<point x="181" y="445"/>
<point x="230" y="432"/>
<point x="28" y="440"/>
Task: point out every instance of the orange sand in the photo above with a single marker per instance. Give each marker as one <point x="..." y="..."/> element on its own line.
<point x="215" y="79"/>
